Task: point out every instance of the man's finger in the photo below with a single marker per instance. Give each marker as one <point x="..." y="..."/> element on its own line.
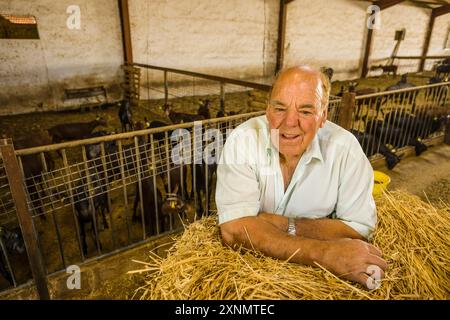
<point x="374" y="250"/>
<point x="378" y="261"/>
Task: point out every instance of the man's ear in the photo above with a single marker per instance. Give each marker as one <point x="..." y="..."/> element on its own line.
<point x="324" y="117"/>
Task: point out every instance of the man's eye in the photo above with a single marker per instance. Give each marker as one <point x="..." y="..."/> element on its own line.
<point x="305" y="112"/>
<point x="280" y="109"/>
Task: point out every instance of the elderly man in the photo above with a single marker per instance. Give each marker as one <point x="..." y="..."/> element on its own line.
<point x="292" y="184"/>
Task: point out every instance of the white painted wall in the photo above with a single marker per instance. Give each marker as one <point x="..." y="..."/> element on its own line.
<point x="326" y="33"/>
<point x="231" y="38"/>
<point x="441" y="31"/>
<point x="34" y="73"/>
<point x="415" y="20"/>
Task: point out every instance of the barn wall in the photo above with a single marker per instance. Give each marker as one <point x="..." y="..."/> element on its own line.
<point x="34" y="73"/>
<point x="326" y="33"/>
<point x="232" y="38"/>
<point x="415" y="21"/>
<point x="439" y="36"/>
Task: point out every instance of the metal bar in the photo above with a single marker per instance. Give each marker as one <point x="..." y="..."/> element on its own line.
<point x="24" y="217"/>
<point x="154" y="184"/>
<point x="138" y="167"/>
<point x="131" y="134"/>
<point x="421" y="57"/>
<point x="254" y="85"/>
<point x="125" y="197"/>
<point x="107" y="190"/>
<point x="55" y="222"/>
<point x="91" y="200"/>
<point x="70" y="187"/>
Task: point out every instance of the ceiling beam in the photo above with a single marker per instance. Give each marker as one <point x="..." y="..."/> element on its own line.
<point x="384" y="4"/>
<point x="440" y="10"/>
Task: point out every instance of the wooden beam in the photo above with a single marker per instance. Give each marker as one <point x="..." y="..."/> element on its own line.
<point x="384" y="4"/>
<point x="436" y="12"/>
<point x="281" y="35"/>
<point x="126" y="31"/>
<point x="440" y="10"/>
<point x="427" y="42"/>
<point x="365" y="66"/>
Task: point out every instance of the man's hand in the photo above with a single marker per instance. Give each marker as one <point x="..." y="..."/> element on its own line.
<point x="354" y="260"/>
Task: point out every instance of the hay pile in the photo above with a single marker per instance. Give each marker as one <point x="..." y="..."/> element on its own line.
<point x="413" y="235"/>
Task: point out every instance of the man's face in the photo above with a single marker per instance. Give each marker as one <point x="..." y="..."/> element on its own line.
<point x="295" y="110"/>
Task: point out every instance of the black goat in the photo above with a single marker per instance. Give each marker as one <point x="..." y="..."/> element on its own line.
<point x="74" y="131"/>
<point x="372" y="145"/>
<point x="126" y="116"/>
<point x="443" y="69"/>
<point x="400" y="98"/>
<point x="12" y="242"/>
<point x="85" y="211"/>
<point x="150" y="204"/>
<point x="203" y="110"/>
<point x="33" y="167"/>
<point x="178" y="117"/>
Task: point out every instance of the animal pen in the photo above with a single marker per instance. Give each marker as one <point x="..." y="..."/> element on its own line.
<point x="44" y="205"/>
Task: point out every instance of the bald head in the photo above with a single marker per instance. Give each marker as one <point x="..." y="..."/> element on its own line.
<point x="295" y="76"/>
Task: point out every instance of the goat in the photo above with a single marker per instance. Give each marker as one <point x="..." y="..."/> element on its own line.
<point x="33" y="167"/>
<point x="126" y="116"/>
<point x="174" y="207"/>
<point x="400" y="98"/>
<point x="150" y="204"/>
<point x="178" y="117"/>
<point x="372" y="145"/>
<point x="387" y="69"/>
<point x="328" y="72"/>
<point x="203" y="110"/>
<point x="74" y="131"/>
<point x="12" y="242"/>
<point x="443" y="69"/>
<point x="85" y="214"/>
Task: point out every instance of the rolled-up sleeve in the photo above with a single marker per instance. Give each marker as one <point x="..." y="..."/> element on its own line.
<point x="237" y="189"/>
<point x="355" y="205"/>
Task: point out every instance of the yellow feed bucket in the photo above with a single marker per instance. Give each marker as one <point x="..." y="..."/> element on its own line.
<point x="381" y="181"/>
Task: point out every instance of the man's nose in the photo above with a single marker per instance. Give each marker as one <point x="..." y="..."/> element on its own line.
<point x="292" y="118"/>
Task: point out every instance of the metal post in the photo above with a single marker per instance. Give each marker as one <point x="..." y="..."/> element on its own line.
<point x="166" y="88"/>
<point x="24" y="217"/>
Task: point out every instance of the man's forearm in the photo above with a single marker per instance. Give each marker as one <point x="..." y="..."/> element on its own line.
<point x="257" y="233"/>
<point x="320" y="229"/>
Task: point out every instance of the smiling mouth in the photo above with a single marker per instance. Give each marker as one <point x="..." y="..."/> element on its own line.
<point x="290" y="136"/>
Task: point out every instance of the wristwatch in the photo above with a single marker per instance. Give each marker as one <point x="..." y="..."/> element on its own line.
<point x="292" y="230"/>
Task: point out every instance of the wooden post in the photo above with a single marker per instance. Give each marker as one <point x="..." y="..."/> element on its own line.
<point x="281" y="35"/>
<point x="25" y="220"/>
<point x="126" y="31"/>
<point x="346" y="110"/>
<point x="427" y="42"/>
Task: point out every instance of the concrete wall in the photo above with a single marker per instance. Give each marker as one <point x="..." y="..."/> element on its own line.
<point x="34" y="73"/>
<point x="415" y="20"/>
<point x="441" y="32"/>
<point x="231" y="38"/>
<point x="333" y="33"/>
<point x="326" y="33"/>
